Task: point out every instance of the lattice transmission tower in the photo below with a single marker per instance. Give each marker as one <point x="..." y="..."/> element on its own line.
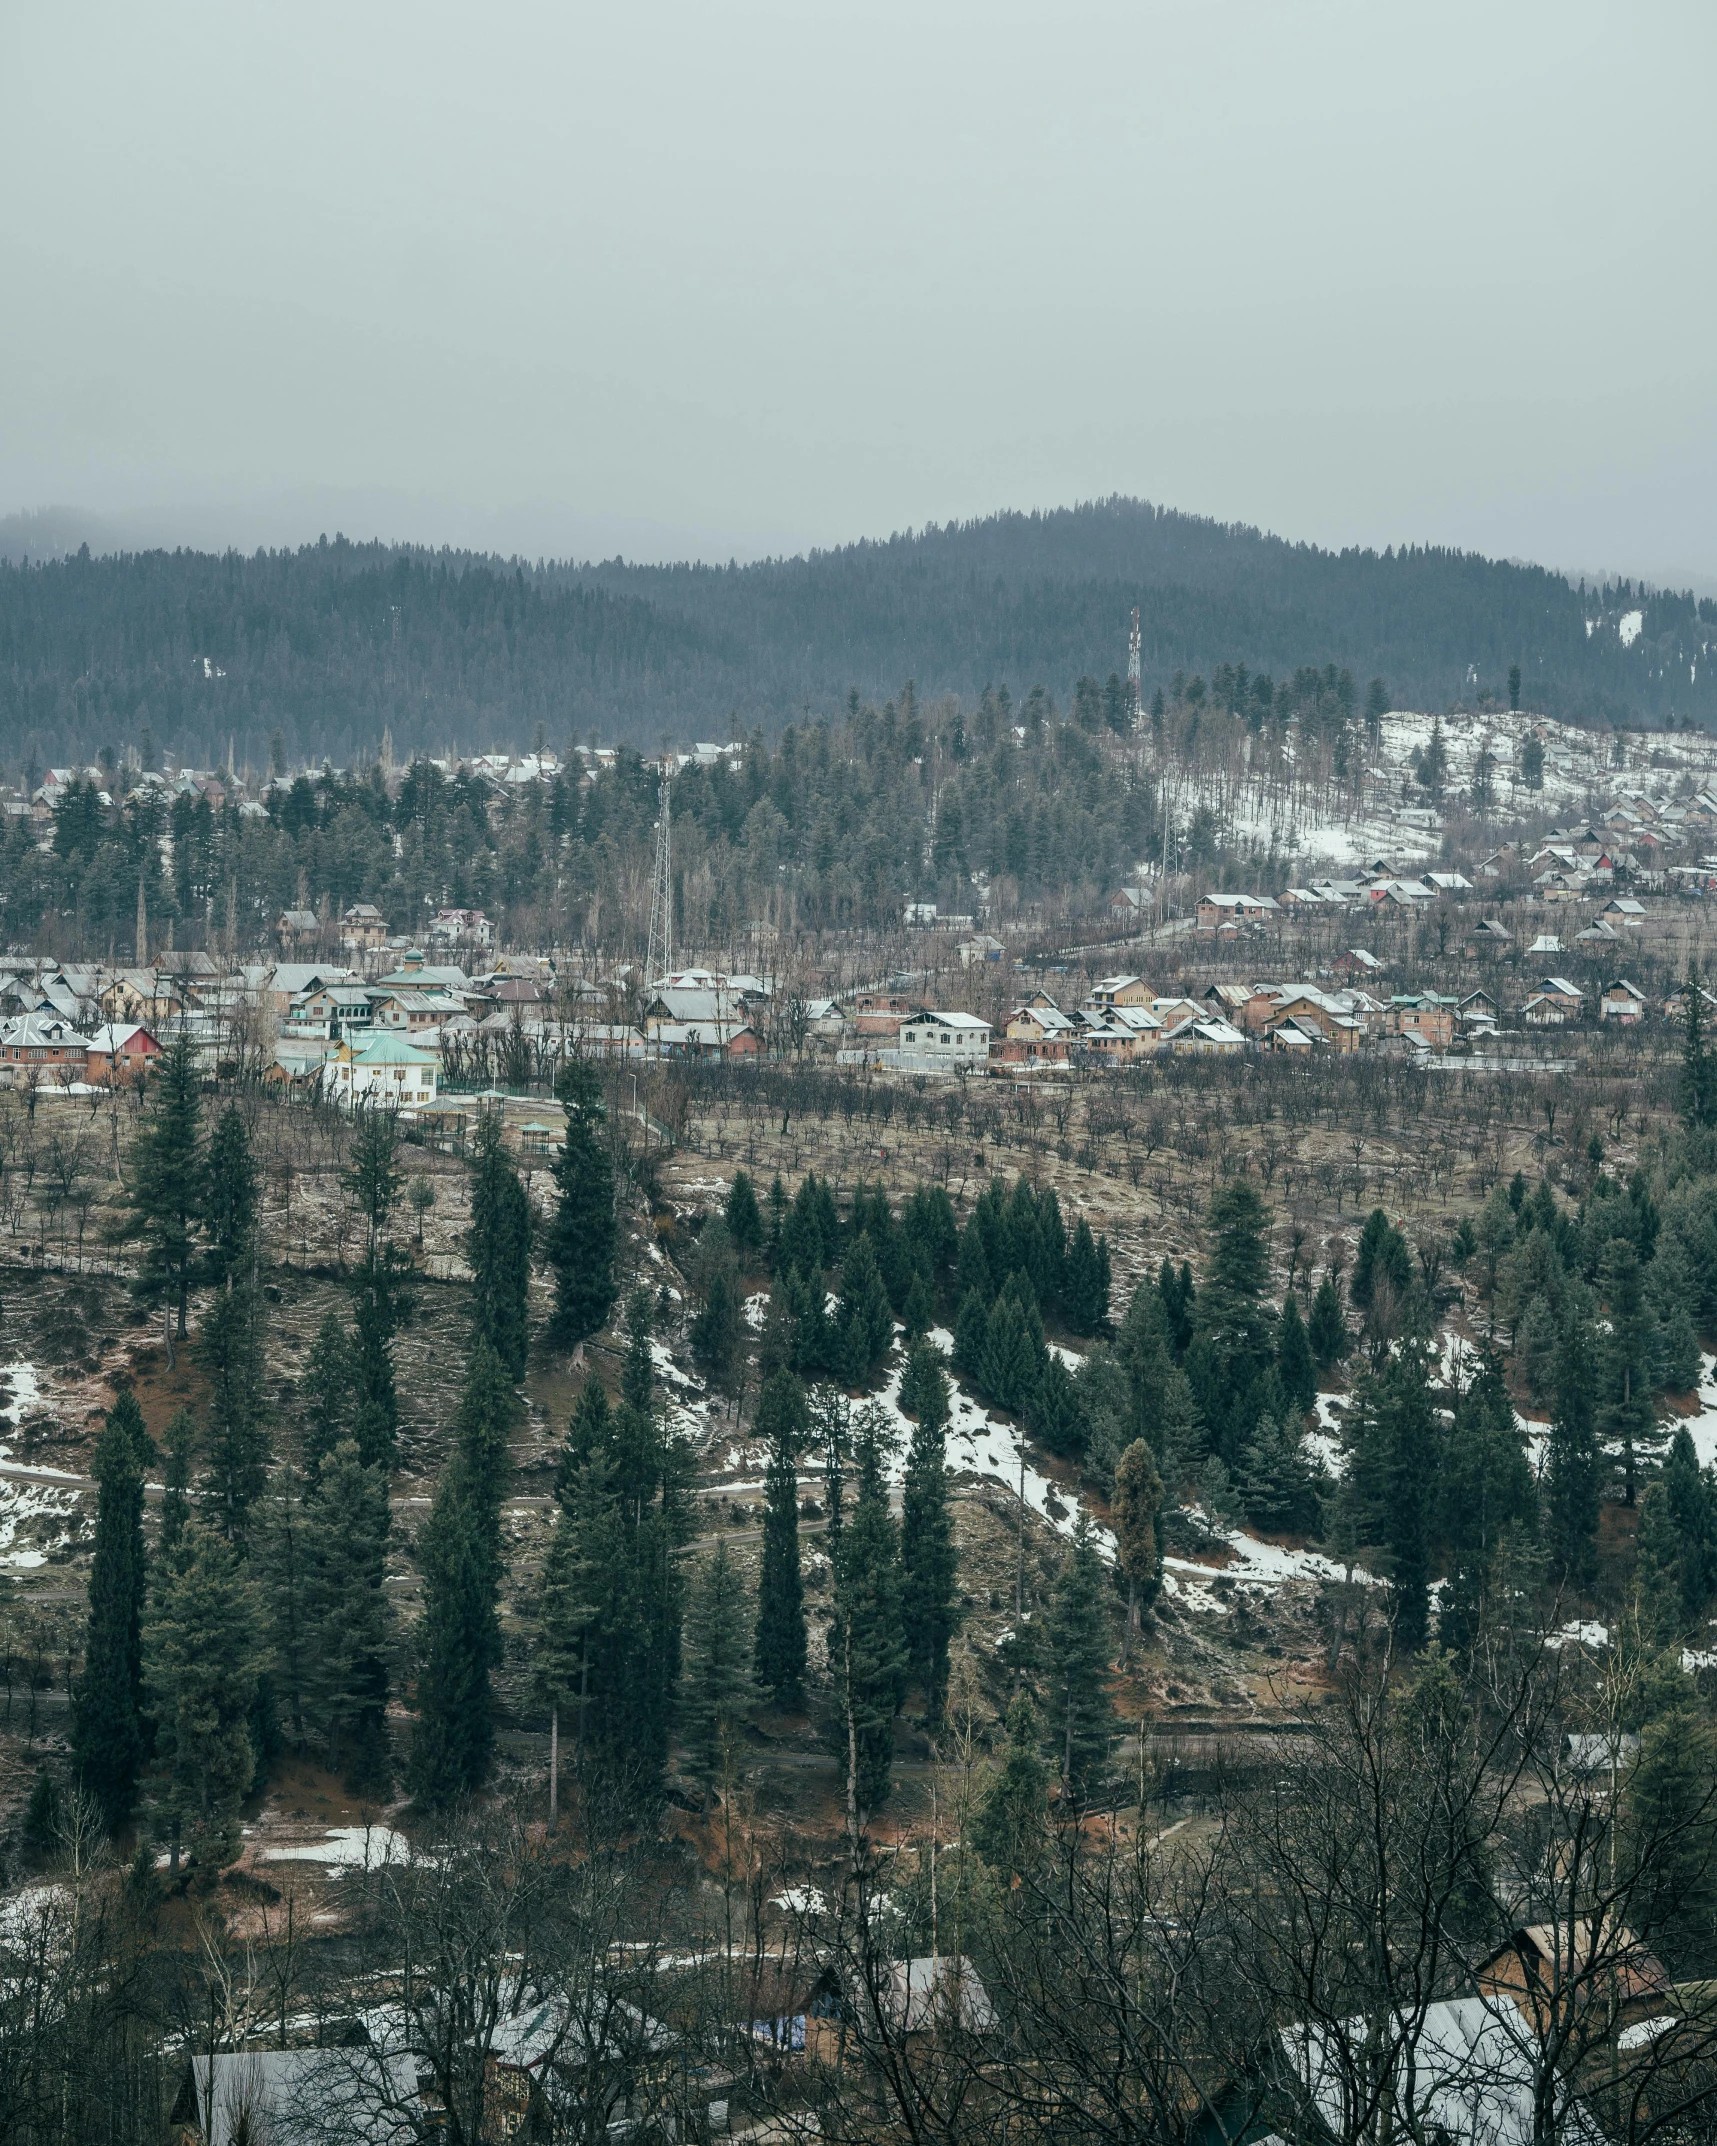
<point x="1135" y="673"/>
<point x="660" y="959"/>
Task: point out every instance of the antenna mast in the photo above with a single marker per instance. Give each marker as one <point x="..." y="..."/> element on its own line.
<point x="659" y="960"/>
<point x="1135" y="674"/>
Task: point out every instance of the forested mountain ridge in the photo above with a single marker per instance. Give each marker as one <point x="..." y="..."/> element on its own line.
<point x="330" y="644"/>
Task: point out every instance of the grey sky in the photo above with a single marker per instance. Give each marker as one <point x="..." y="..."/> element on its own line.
<point x="737" y="277"/>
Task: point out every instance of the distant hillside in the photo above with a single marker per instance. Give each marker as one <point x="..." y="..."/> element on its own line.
<point x="329" y="644"/>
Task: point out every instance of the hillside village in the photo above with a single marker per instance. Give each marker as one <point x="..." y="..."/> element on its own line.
<point x="996" y="1198"/>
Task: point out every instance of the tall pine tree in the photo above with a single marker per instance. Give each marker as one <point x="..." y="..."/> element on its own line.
<point x="870" y="1674"/>
<point x="718" y="1672"/>
<point x="167" y="1184"/>
<point x="780" y="1646"/>
<point x="580" y="1239"/>
<point x="1574" y="1468"/>
<point x="203" y="1653"/>
<point x="927" y="1557"/>
<point x="1081" y="1719"/>
<point x="460" y="1553"/>
<point x="498" y="1247"/>
<point x="345" y="1618"/>
<point x="108" y="1727"/>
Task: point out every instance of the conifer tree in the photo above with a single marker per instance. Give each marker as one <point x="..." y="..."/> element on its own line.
<point x="460" y="1553"/>
<point x="1626" y="1415"/>
<point x="345" y="1680"/>
<point x="780" y="1644"/>
<point x="1407" y="1426"/>
<point x="589" y="1433"/>
<point x="1573" y="1469"/>
<point x="1326" y="1330"/>
<point x="719" y="1669"/>
<point x="1179" y="1302"/>
<point x="743" y="1216"/>
<point x="1678" y="1541"/>
<point x="1013" y="1350"/>
<point x="927" y="1557"/>
<point x="1081" y="1719"/>
<point x="580" y="1239"/>
<point x="176" y="1484"/>
<point x="108" y="1728"/>
<point x="498" y="1247"/>
<point x="864" y="1319"/>
<point x="203" y="1654"/>
<point x="229" y="1201"/>
<point x="1085" y="1280"/>
<point x="870" y="1675"/>
<point x="372" y="1181"/>
<point x="1054" y="1414"/>
<point x="238" y="1445"/>
<point x="459" y="1646"/>
<point x="167" y="1184"/>
<point x="638" y="1373"/>
<point x="715" y="1331"/>
<point x="1009" y="1826"/>
<point x="566" y="1605"/>
<point x="971" y="1335"/>
<point x="1138" y="1514"/>
<point x="1233" y="1343"/>
<point x="1294" y="1361"/>
<point x="1275" y="1482"/>
<point x="1486" y="1490"/>
<point x="1696" y="1096"/>
<point x="328" y="1390"/>
<point x="277" y="1561"/>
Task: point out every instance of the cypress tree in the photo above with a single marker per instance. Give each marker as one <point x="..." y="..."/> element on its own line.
<point x="107" y="1721"/>
<point x="870" y="1676"/>
<point x="780" y="1645"/>
<point x="167" y="1183"/>
<point x="345" y="1680"/>
<point x="1081" y="1719"/>
<point x="719" y="1672"/>
<point x="1327" y="1329"/>
<point x="581" y="1238"/>
<point x="203" y="1656"/>
<point x="927" y="1557"/>
<point x="498" y="1247"/>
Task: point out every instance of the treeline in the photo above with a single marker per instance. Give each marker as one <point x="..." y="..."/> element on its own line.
<point x="334" y="643"/>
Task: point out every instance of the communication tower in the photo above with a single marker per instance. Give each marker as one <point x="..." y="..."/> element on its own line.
<point x="1135" y="673"/>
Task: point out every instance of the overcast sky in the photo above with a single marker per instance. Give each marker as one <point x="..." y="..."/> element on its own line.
<point x="719" y="277"/>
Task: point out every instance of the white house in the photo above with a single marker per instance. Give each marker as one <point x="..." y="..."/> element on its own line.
<point x="383" y="1069"/>
<point x="943" y="1043"/>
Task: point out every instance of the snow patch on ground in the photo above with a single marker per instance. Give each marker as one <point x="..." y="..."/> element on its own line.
<point x="22" y="1503"/>
<point x="979" y="1444"/>
<point x="1629" y="627"/>
<point x="1582" y="1632"/>
<point x="1702" y="1426"/>
<point x="344" y="1848"/>
<point x="757" y="1310"/>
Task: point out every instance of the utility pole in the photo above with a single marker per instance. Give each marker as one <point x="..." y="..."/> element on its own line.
<point x="661" y="946"/>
